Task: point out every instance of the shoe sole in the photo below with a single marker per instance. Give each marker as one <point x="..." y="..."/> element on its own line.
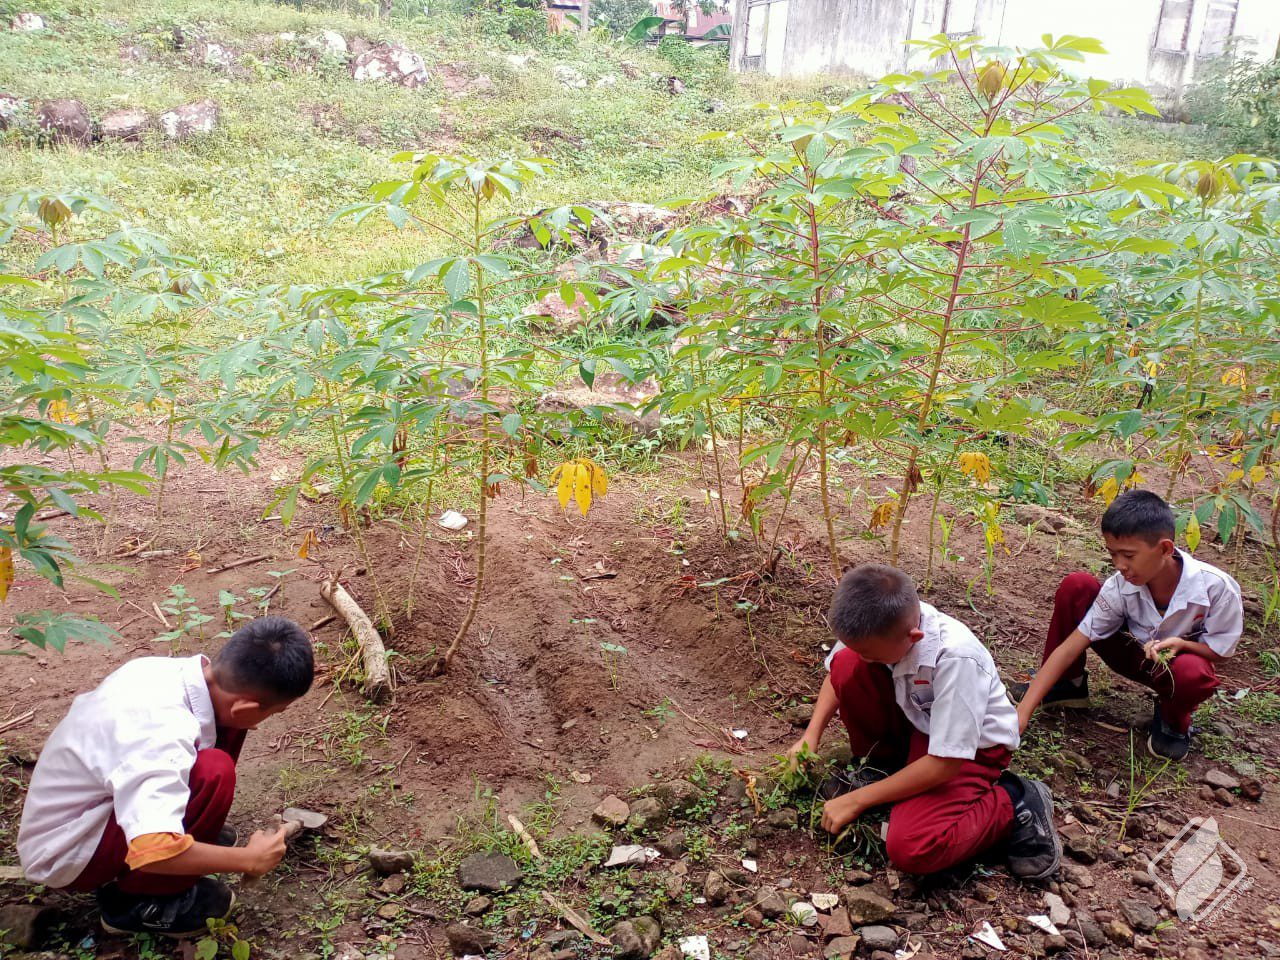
<point x="171" y="934"/>
<point x="1151" y="749"/>
<point x="1046" y="797"/>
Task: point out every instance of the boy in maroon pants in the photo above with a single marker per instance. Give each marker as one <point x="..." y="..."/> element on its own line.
<point x="1163" y="619"/>
<point x="131" y="793"/>
<point x="921" y="700"/>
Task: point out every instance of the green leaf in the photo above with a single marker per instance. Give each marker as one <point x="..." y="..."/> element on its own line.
<point x="511" y="423"/>
<point x="240" y="950"/>
<point x="642" y="28"/>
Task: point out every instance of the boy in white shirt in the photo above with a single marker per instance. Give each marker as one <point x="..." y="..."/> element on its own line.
<point x="130" y="796"/>
<point x="1161" y="602"/>
<point x="921" y="700"/>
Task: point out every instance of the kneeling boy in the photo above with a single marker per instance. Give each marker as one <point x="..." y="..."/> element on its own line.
<point x="1163" y="619"/>
<point x="131" y="793"/>
<point x="921" y="699"/>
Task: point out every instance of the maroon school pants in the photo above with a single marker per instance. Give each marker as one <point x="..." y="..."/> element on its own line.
<point x="1188" y="681"/>
<point x="939" y="828"/>
<point x="213" y="786"/>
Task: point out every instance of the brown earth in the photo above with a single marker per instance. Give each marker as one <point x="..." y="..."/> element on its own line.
<point x="533" y="695"/>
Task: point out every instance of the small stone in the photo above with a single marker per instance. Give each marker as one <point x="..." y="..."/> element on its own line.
<point x="1223" y="796"/>
<point x="753" y="918"/>
<point x="770" y="903"/>
<point x="1118" y="933"/>
<point x="466" y="940"/>
<point x="477" y="906"/>
<point x="1141" y="878"/>
<point x="562" y="938"/>
<point x="838" y="924"/>
<point x="1194" y="953"/>
<point x="636" y="939"/>
<point x="673" y="845"/>
<point x="1058" y="911"/>
<point x="1055" y="943"/>
<point x="1092" y="933"/>
<point x="717" y="888"/>
<point x="393" y="886"/>
<point x="190" y="120"/>
<point x="985" y="893"/>
<point x="24" y="924"/>
<point x="1251" y="788"/>
<point x="1220" y="779"/>
<point x="1078" y="875"/>
<point x="804" y="913"/>
<point x="856" y="877"/>
<point x="1140" y="915"/>
<point x="799" y="945"/>
<point x="865" y="906"/>
<point x="387" y="862"/>
<point x="784" y="818"/>
<point x="646" y="814"/>
<point x="878" y="938"/>
<point x="677" y="796"/>
<point x="489" y="872"/>
<point x="1146" y="946"/>
<point x="612" y="811"/>
<point x="389" y="911"/>
<point x="1263" y="856"/>
<point x="1206" y="793"/>
<point x="841" y="947"/>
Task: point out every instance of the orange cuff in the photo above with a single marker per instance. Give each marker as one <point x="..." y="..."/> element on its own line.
<point x="154" y="847"/>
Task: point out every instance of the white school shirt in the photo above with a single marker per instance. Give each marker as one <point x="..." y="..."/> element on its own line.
<point x="1205" y="607"/>
<point x="127" y="746"/>
<point x="948" y="687"/>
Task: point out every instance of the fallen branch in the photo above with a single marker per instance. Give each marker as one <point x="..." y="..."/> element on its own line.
<point x="17" y="721"/>
<point x="377" y="677"/>
<point x="238" y="563"/>
<point x="578" y="921"/>
<point x="524" y="835"/>
<point x="323" y="622"/>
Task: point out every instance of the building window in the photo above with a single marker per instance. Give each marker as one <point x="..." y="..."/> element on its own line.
<point x="1174" y="25"/>
<point x="1219" y="26"/>
<point x="960" y="17"/>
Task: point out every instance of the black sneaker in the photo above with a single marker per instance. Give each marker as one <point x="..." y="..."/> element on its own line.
<point x="1065" y="694"/>
<point x="175" y="915"/>
<point x="847" y="781"/>
<point x="227" y="836"/>
<point x="1165" y="742"/>
<point x="1034" y="850"/>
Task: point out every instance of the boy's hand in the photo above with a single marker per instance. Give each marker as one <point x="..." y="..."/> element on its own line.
<point x="797" y="748"/>
<point x="842" y="811"/>
<point x="264" y="851"/>
<point x="1152" y="648"/>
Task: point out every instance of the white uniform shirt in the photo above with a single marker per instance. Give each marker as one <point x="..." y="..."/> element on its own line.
<point x="948" y="687"/>
<point x="127" y="746"/>
<point x="1205" y="607"/>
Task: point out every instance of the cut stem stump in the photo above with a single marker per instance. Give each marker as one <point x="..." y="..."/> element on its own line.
<point x="377" y="677"/>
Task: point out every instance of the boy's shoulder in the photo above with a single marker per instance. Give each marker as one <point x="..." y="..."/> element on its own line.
<point x="952" y="635"/>
<point x="1214" y="579"/>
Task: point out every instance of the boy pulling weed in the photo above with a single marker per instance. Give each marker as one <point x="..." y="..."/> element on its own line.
<point x="1163" y="619"/>
<point x="921" y="699"/>
<point x="131" y="793"/>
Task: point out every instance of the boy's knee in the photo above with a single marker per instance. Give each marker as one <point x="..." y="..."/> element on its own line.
<point x="214" y="766"/>
<point x="1078" y="584"/>
<point x="1190" y="672"/>
<point x="909" y="850"/>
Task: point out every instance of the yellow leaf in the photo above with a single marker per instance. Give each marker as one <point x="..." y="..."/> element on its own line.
<point x="1153" y="368"/>
<point x="6" y="571"/>
<point x="1257" y="474"/>
<point x="582" y="488"/>
<point x="599" y="480"/>
<point x="1109" y="490"/>
<point x="1193" y="533"/>
<point x="1236" y="376"/>
<point x="881" y="515"/>
<point x="976" y="465"/>
<point x="58" y="411"/>
<point x="1235" y="476"/>
<point x="564" y="489"/>
<point x="309" y="543"/>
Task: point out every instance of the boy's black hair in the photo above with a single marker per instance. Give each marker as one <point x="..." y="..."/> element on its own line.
<point x="270" y="657"/>
<point x="870" y="601"/>
<point x="1140" y="513"/>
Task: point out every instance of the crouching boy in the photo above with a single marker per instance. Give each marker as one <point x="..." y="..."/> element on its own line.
<point x="131" y="793"/>
<point x="921" y="700"/>
<point x="1164" y="619"/>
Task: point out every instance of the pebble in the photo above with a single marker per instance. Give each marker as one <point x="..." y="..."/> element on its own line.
<point x="1221" y="779"/>
<point x="878" y="938"/>
<point x="1057" y="909"/>
<point x="390" y="861"/>
<point x="477" y="906"/>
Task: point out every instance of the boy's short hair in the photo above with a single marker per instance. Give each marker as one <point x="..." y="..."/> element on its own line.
<point x="270" y="657"/>
<point x="870" y="601"/>
<point x="1140" y="513"/>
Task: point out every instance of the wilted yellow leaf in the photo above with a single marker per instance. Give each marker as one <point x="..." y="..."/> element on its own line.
<point x="581" y="481"/>
<point x="59" y="411"/>
<point x="1109" y="490"/>
<point x="582" y="488"/>
<point x="309" y="543"/>
<point x="564" y="487"/>
<point x="599" y="480"/>
<point x="1235" y="476"/>
<point x="6" y="571"/>
<point x="1193" y="533"/>
<point x="1236" y="376"/>
<point x="881" y="515"/>
<point x="1153" y="368"/>
<point x="1257" y="474"/>
<point x="976" y="465"/>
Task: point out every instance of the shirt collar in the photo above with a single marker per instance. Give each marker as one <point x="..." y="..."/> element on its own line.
<point x="924" y="652"/>
<point x="198" y="699"/>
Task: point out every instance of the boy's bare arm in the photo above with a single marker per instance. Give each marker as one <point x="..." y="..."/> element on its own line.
<point x="915" y="778"/>
<point x="1050" y="672"/>
<point x="260" y="855"/>
<point x="823" y="711"/>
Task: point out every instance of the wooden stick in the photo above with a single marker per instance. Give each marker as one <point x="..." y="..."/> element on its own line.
<point x="377" y="678"/>
<point x="323" y="622"/>
<point x="17" y="721"/>
<point x="576" y="919"/>
<point x="160" y="615"/>
<point x="238" y="563"/>
<point x="12" y="875"/>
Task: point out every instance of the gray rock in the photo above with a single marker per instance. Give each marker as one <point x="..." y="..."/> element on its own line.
<point x="784" y="818"/>
<point x="611" y="812"/>
<point x="478" y="906"/>
<point x="677" y="796"/>
<point x="26" y="23"/>
<point x="841" y="947"/>
<point x="24" y="924"/>
<point x="489" y="872"/>
<point x="1219" y="779"/>
<point x="1093" y="934"/>
<point x="865" y="906"/>
<point x="636" y="939"/>
<point x="190" y="120"/>
<point x="1058" y="911"/>
<point x="466" y="940"/>
<point x="647" y="814"/>
<point x="673" y="845"/>
<point x="1140" y="915"/>
<point x="878" y="938"/>
<point x="771" y="903"/>
<point x="390" y="63"/>
<point x="127" y="125"/>
<point x="1078" y="875"/>
<point x="387" y="862"/>
<point x="717" y="888"/>
<point x="558" y="939"/>
<point x="65" y="121"/>
<point x="568" y="77"/>
<point x="10" y="108"/>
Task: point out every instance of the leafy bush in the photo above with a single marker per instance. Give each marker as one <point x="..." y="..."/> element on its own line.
<point x="1242" y="96"/>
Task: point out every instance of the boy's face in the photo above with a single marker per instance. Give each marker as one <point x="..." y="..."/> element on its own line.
<point x="889" y="648"/>
<point x="1137" y="560"/>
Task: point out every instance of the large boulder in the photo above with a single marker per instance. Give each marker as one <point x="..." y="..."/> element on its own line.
<point x="128" y="125"/>
<point x="65" y="121"/>
<point x="26" y="22"/>
<point x="333" y="43"/>
<point x="190" y="120"/>
<point x="392" y="63"/>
